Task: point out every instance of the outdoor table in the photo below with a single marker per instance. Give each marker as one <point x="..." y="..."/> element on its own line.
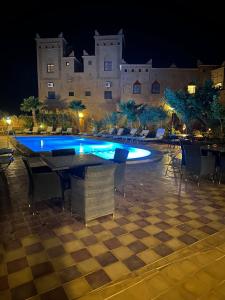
<point x="67" y="162"/>
<point x="214" y="148"/>
<point x="217" y="150"/>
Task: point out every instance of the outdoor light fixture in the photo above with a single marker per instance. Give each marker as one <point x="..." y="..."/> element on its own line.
<point x="8" y="120"/>
<point x="184" y="127"/>
<point x="81" y="115"/>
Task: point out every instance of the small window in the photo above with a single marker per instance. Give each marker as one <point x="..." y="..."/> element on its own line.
<point x="137" y="87"/>
<point x="111" y="44"/>
<point x="50" y="84"/>
<point x="51" y="95"/>
<point x="90" y="62"/>
<point x="107" y="94"/>
<point x="146" y="70"/>
<point x="191" y="88"/>
<point x="125" y="70"/>
<point x="139" y="70"/>
<point x="71" y="94"/>
<point x="107" y="65"/>
<point x="155" y="87"/>
<point x="87" y="93"/>
<point x="50" y="68"/>
<point x="132" y="70"/>
<point x="108" y="84"/>
<point x="118" y="44"/>
<point x="67" y="63"/>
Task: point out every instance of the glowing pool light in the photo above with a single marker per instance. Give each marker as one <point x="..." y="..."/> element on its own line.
<point x="103" y="149"/>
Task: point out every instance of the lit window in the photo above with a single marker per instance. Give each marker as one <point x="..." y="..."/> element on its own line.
<point x="107" y="65"/>
<point x="50" y="68"/>
<point x="90" y="62"/>
<point x="107" y="94"/>
<point x="191" y="88"/>
<point x="50" y="84"/>
<point x="71" y="94"/>
<point x="51" y="95"/>
<point x="155" y="87"/>
<point x="137" y="87"/>
<point x="87" y="93"/>
<point x="67" y="63"/>
<point x="108" y="84"/>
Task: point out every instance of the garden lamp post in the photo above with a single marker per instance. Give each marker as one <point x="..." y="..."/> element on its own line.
<point x="8" y="121"/>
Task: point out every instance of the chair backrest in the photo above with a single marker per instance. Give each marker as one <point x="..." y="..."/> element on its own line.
<point x="58" y="129"/>
<point x="63" y="152"/>
<point x="120" y="155"/>
<point x="120" y="131"/>
<point x="111" y="130"/>
<point x="35" y="129"/>
<point x="5" y="161"/>
<point x="69" y="130"/>
<point x="144" y="133"/>
<point x="133" y="131"/>
<point x="160" y="133"/>
<point x="29" y="171"/>
<point x="99" y="174"/>
<point x="49" y="129"/>
<point x="192" y="155"/>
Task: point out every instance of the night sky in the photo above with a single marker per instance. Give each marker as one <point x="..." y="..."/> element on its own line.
<point x="166" y="31"/>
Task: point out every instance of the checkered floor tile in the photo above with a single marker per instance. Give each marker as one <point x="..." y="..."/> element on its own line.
<point x="52" y="255"/>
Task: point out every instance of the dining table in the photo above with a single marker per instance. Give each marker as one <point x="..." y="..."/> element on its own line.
<point x="68" y="162"/>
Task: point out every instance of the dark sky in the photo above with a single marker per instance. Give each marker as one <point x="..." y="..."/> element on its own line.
<point x="166" y="31"/>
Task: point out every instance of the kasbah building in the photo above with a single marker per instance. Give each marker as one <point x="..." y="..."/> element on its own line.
<point x="104" y="79"/>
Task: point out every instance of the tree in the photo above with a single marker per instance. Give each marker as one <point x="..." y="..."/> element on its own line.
<point x="131" y="110"/>
<point x="151" y="115"/>
<point x="76" y="106"/>
<point x="218" y="113"/>
<point x="31" y="104"/>
<point x="112" y="119"/>
<point x="190" y="107"/>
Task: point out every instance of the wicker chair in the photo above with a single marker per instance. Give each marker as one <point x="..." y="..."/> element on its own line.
<point x="93" y="195"/>
<point x="197" y="164"/>
<point x="120" y="158"/>
<point x="43" y="184"/>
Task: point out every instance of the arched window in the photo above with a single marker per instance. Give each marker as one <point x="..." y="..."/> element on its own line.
<point x="155" y="87"/>
<point x="137" y="87"/>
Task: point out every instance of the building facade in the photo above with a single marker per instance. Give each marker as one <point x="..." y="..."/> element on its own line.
<point x="104" y="79"/>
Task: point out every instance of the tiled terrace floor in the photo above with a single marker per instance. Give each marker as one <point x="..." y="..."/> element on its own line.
<point x="54" y="256"/>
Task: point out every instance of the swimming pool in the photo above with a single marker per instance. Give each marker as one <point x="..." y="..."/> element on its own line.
<point x="81" y="145"/>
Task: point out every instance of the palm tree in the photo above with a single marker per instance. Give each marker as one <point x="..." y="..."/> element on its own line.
<point x="77" y="107"/>
<point x="131" y="110"/>
<point x="31" y="104"/>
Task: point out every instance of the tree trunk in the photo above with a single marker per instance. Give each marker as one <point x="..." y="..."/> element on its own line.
<point x="34" y="117"/>
<point x="78" y="121"/>
<point x="221" y="127"/>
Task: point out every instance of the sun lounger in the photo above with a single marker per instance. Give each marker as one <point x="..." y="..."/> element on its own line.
<point x="57" y="131"/>
<point x="119" y="133"/>
<point x="68" y="131"/>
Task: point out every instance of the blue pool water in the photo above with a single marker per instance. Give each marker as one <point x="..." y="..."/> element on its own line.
<point x="81" y="145"/>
